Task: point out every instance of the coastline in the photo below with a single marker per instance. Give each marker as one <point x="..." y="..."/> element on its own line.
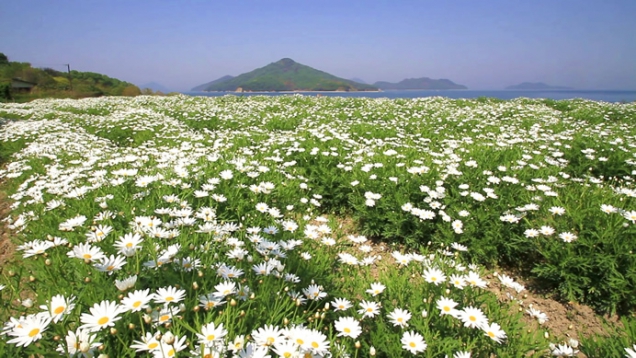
<point x="616" y="96"/>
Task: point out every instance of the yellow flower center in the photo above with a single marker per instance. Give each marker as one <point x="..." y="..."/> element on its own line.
<point x="110" y="268"/>
<point x="270" y="341"/>
<point x="446" y="309"/>
<point x="171" y="352"/>
<point x="210" y="337"/>
<point x="299" y="341"/>
<point x="400" y="319"/>
<point x="369" y="309"/>
<point x="347" y="330"/>
<point x="59" y="310"/>
<point x="136" y="304"/>
<point x="491" y="334"/>
<point x="472" y="318"/>
<point x="103" y="320"/>
<point x="164" y="318"/>
<point x="169" y="298"/>
<point x="129" y="245"/>
<point x="433" y="279"/>
<point x="34" y="332"/>
<point x="286" y="354"/>
<point x="412" y="344"/>
<point x="153" y="345"/>
<point x="87" y="256"/>
<point x="315" y="345"/>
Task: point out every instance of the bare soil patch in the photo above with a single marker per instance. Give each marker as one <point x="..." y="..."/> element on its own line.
<point x="7" y="248"/>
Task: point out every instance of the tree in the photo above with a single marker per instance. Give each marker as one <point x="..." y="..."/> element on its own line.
<point x="4" y="60"/>
<point x="131" y="90"/>
<point x="5" y="91"/>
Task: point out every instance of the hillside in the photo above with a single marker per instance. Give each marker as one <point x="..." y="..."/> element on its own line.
<point x="48" y="82"/>
<point x="286" y="75"/>
<point x="419" y="83"/>
<point x="536" y="86"/>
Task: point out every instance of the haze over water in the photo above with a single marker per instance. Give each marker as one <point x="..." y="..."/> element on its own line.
<point x="596" y="95"/>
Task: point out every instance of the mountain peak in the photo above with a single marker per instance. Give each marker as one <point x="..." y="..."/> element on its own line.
<point x="286" y="62"/>
<point x="285" y="75"/>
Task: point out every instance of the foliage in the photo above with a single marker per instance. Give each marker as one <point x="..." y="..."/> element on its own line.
<point x="332" y="192"/>
<point x="52" y="83"/>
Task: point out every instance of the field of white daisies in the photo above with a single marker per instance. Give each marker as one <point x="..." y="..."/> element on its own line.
<point x="297" y="226"/>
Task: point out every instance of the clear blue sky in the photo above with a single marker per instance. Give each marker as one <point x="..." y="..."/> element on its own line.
<point x="483" y="44"/>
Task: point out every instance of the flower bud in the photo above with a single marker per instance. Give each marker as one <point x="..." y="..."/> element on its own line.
<point x="84" y="347"/>
<point x="233" y="302"/>
<point x="113" y="331"/>
<point x="372" y="351"/>
<point x="47" y="262"/>
<point x="357" y="344"/>
<point x="168" y="338"/>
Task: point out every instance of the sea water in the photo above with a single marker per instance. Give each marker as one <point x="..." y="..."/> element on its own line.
<point x="595" y="95"/>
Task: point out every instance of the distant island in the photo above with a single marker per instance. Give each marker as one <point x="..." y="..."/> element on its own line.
<point x="536" y="86"/>
<point x="283" y="75"/>
<point x="423" y="83"/>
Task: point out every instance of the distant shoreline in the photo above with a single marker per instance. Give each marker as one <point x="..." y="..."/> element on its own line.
<point x="310" y="91"/>
<point x="503" y="94"/>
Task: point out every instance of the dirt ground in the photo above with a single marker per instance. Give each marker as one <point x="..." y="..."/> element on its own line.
<point x="6" y="246"/>
<point x="565" y="320"/>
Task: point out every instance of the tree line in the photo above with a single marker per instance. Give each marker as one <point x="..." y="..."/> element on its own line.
<point x="49" y="82"/>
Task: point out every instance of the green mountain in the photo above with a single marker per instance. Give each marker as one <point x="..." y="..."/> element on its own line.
<point x="20" y="81"/>
<point x="536" y="86"/>
<point x="286" y="75"/>
<point x="206" y="85"/>
<point x="419" y="83"/>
